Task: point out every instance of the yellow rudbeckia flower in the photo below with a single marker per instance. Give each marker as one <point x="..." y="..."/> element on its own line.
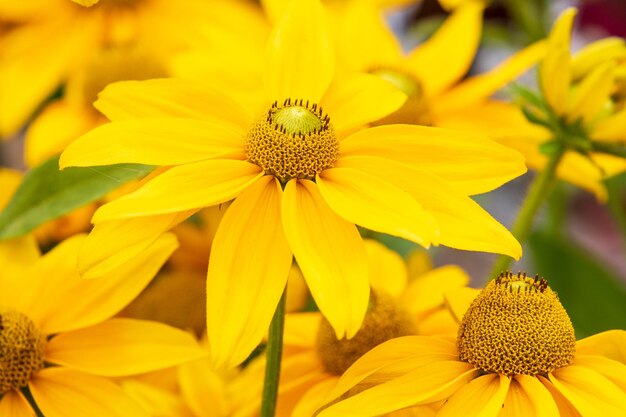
<point x="109" y="41"/>
<point x="300" y="183"/>
<point x="515" y="355"/>
<point x="57" y="340"/>
<point x="313" y="357"/>
<point x="581" y="94"/>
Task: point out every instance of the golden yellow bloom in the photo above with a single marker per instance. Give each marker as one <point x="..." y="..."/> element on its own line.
<point x="515" y="355"/>
<point x="582" y="103"/>
<point x="57" y="340"/>
<point x="405" y="181"/>
<point x="313" y="357"/>
<point x="109" y="41"/>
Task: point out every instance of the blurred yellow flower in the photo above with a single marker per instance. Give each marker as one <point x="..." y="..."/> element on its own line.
<point x="581" y="102"/>
<point x="109" y="41"/>
<point x="57" y="340"/>
<point x="300" y="180"/>
<point x="314" y="359"/>
<point x="515" y="355"/>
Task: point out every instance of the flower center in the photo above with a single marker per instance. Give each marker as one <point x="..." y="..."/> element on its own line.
<point x="385" y="320"/>
<point x="415" y="110"/>
<point x="111" y="64"/>
<point x="21" y="350"/>
<point x="293" y="140"/>
<point x="517" y="325"/>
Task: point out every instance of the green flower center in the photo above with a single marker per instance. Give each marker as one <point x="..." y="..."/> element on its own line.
<point x="293" y="140"/>
<point x="21" y="350"/>
<point x="517" y="325"/>
<point x="385" y="320"/>
<point x="415" y="109"/>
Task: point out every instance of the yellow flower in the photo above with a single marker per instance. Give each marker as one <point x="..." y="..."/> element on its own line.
<point x="515" y="355"/>
<point x="58" y="342"/>
<point x="314" y="359"/>
<point x="109" y="41"/>
<point x="431" y="73"/>
<point x="300" y="182"/>
<point x="582" y="103"/>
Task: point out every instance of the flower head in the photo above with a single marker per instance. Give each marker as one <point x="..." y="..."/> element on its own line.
<point x="515" y="355"/>
<point x="300" y="177"/>
<point x="56" y="338"/>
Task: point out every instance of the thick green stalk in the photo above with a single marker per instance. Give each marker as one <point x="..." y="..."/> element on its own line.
<point x="537" y="194"/>
<point x="274" y="354"/>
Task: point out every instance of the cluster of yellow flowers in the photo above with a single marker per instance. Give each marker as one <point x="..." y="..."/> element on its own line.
<point x="269" y="144"/>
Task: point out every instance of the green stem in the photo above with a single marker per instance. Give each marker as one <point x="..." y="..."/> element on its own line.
<point x="274" y="353"/>
<point x="615" y="204"/>
<point x="529" y="16"/>
<point x="537" y="194"/>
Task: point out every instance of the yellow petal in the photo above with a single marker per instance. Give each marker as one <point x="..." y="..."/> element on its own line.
<point x="119" y="347"/>
<point x="359" y="30"/>
<point x="87" y="3"/>
<point x="480" y="87"/>
<point x="248" y="268"/>
<point x="592" y="94"/>
<point x="566" y="409"/>
<point x="459" y="300"/>
<point x="611" y="344"/>
<point x="388" y="271"/>
<point x="426" y="292"/>
<point x="596" y="53"/>
<point x="463" y="224"/>
<point x="104" y="252"/>
<point x="554" y="77"/>
<point x="473" y="164"/>
<point x="368" y="201"/>
<point x="313" y="399"/>
<point x="300" y="57"/>
<point x="528" y="397"/>
<point x="330" y="254"/>
<point x="483" y="396"/>
<point x="611" y="128"/>
<point x="561" y="32"/>
<point x="434" y="64"/>
<point x="12" y="404"/>
<point x="66" y="301"/>
<point x="169" y="97"/>
<point x="429" y="383"/>
<point x="555" y="70"/>
<point x="56" y="127"/>
<point x="613" y="370"/>
<point x="185" y="187"/>
<point x="301" y="329"/>
<point x="202" y="388"/>
<point x="156" y="400"/>
<point x="394" y="358"/>
<point x="62" y="392"/>
<point x="9" y="181"/>
<point x="589" y="391"/>
<point x="360" y="99"/>
<point x="150" y="141"/>
<point x="34" y="70"/>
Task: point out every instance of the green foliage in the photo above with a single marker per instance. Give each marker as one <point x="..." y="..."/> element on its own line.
<point x="47" y="193"/>
<point x="592" y="295"/>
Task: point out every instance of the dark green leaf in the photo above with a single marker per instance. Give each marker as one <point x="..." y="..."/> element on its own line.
<point x="594" y="298"/>
<point x="47" y="193"/>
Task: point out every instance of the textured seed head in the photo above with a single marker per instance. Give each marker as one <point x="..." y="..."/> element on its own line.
<point x="517" y="325"/>
<point x="21" y="350"/>
<point x="385" y="320"/>
<point x="293" y="140"/>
